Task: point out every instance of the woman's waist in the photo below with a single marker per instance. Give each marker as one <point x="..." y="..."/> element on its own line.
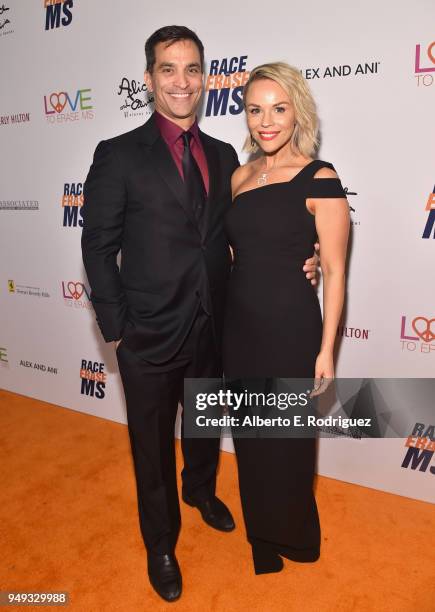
<point x="279" y="257"/>
<point x="269" y="268"/>
<point x="289" y="285"/>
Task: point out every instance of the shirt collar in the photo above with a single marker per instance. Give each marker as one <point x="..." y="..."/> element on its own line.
<point x="171" y="132"/>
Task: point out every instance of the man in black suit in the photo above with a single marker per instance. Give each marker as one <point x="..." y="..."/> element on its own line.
<point x="159" y="194"/>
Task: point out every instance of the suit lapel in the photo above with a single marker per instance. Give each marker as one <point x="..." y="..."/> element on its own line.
<point x="161" y="158"/>
<point x="213" y="164"/>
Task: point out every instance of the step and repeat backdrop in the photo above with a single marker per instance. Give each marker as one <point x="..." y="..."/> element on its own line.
<point x="72" y="75"/>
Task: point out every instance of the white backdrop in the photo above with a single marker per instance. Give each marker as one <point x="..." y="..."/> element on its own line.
<point x="371" y="68"/>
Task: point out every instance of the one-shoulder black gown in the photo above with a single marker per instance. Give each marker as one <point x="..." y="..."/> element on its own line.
<point x="273" y="328"/>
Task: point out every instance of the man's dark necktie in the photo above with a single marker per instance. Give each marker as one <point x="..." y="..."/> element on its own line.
<point x="193" y="179"/>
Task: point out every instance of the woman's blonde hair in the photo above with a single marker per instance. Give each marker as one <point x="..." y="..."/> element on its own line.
<point x="304" y="139"/>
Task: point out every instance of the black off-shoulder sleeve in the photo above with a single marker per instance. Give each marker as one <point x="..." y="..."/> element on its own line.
<point x="326" y="188"/>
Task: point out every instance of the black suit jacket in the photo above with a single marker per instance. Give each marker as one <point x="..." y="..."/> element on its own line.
<point x="135" y="202"/>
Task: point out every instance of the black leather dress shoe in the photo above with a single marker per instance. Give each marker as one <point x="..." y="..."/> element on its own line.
<point x="165" y="576"/>
<point x="214" y="512"/>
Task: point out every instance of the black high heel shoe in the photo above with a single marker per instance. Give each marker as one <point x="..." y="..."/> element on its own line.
<point x="266" y="560"/>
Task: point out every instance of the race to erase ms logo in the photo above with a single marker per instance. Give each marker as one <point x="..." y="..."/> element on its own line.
<point x="66" y="107"/>
<point x="425" y="64"/>
<point x="421" y="449"/>
<point x="430" y="223"/>
<point x="57" y="13"/>
<point x="224" y="86"/>
<point x="72" y="202"/>
<point x="417" y="334"/>
<point x="93" y="379"/>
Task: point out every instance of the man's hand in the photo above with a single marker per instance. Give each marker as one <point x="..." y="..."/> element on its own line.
<point x="311" y="266"/>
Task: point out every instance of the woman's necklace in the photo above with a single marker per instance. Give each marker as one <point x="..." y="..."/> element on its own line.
<point x="264" y="176"/>
<point x="262" y="179"/>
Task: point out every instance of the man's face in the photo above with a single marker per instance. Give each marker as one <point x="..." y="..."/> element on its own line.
<point x="176" y="80"/>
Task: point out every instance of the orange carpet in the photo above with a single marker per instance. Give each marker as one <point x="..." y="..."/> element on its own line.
<point x="68" y="522"/>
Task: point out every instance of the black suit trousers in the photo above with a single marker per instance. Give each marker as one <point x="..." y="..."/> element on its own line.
<point x="152" y="394"/>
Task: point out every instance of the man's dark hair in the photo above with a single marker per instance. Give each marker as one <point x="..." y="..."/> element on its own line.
<point x="170" y="35"/>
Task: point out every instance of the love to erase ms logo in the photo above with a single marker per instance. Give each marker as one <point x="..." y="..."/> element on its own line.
<point x="64" y="107"/>
<point x="72" y="202"/>
<point x="425" y="64"/>
<point x="224" y="86"/>
<point x="430" y="223"/>
<point x="76" y="295"/>
<point x="418" y="334"/>
<point x="57" y="13"/>
<point x="93" y="379"/>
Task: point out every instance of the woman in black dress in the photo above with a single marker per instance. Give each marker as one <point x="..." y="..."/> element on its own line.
<point x="283" y="202"/>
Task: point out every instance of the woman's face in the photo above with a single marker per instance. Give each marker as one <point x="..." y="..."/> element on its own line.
<point x="270" y="114"/>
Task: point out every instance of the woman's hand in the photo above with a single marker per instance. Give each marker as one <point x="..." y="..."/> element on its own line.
<point x="324" y="372"/>
<point x="311" y="266"/>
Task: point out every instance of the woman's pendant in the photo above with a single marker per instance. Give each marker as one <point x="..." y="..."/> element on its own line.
<point x="262" y="179"/>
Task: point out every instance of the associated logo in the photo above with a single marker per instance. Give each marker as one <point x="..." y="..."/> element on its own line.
<point x="76" y="295"/>
<point x="430" y="223"/>
<point x="4" y="363"/>
<point x="136" y="99"/>
<point x="341" y="70"/>
<point x="225" y="82"/>
<point x="93" y="379"/>
<point x="351" y="208"/>
<point x="355" y="333"/>
<point x="425" y="64"/>
<point x="423" y="329"/>
<point x="58" y="13"/>
<point x="64" y="107"/>
<point x="72" y="202"/>
<point x="19" y="205"/>
<point x="5" y="20"/>
<point x="13" y="287"/>
<point x="15" y="118"/>
<point x="41" y="367"/>
<point x="421" y="449"/>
